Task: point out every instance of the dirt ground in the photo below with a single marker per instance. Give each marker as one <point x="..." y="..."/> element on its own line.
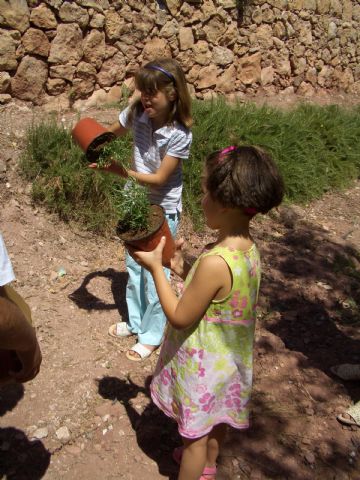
<point x="88" y="414"/>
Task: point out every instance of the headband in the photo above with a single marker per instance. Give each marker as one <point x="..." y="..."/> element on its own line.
<point x="162" y="70"/>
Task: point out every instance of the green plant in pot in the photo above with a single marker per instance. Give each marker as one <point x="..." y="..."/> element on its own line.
<point x="140" y="223"/>
<point x="132" y="205"/>
<point x="112" y="152"/>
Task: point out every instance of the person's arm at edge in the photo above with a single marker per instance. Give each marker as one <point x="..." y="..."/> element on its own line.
<point x="17" y="334"/>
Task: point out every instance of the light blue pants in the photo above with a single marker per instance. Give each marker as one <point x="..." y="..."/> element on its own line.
<point x="146" y="317"/>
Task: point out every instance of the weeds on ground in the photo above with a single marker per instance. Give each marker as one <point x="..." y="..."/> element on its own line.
<point x="317" y="149"/>
<point x="62" y="181"/>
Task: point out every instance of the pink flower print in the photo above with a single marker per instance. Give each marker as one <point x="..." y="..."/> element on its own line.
<point x="235" y="257"/>
<point x="244" y="302"/>
<point x="209" y="404"/>
<point x="200" y="388"/>
<point x="237" y="313"/>
<point x="192" y="352"/>
<point x="201" y="371"/>
<point x="234" y="302"/>
<point x="204" y="398"/>
<point x="201" y="354"/>
<point x="165" y="377"/>
<point x="229" y="402"/>
<point x="237" y="402"/>
<point x="235" y="388"/>
<point x="187" y="413"/>
<point x="173" y="373"/>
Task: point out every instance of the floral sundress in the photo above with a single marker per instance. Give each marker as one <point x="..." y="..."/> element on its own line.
<point x="204" y="373"/>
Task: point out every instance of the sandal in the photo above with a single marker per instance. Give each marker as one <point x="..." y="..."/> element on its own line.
<point x="120" y="330"/>
<point x="351" y="416"/>
<point x="141" y="350"/>
<point x="347" y="371"/>
<point x="208" y="471"/>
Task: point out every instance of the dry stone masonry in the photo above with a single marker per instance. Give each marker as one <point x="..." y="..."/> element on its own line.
<point x="68" y="51"/>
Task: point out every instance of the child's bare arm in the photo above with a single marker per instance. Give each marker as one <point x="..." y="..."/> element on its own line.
<point x="211" y="280"/>
<point x="162" y="174"/>
<point x="118" y="129"/>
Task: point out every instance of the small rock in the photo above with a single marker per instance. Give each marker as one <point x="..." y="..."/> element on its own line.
<point x="40" y="433"/>
<point x="63" y="433"/>
<point x="61" y="272"/>
<point x="310" y="458"/>
<point x="325" y="286"/>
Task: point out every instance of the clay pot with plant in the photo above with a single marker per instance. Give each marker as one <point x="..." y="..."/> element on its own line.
<point x="141" y="224"/>
<point x="92" y="138"/>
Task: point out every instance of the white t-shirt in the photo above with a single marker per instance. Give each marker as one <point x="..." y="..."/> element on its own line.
<point x="6" y="270"/>
<point x="150" y="147"/>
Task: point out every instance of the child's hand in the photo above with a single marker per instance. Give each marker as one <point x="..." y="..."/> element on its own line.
<point x="111" y="168"/>
<point x="177" y="261"/>
<point x="148" y="260"/>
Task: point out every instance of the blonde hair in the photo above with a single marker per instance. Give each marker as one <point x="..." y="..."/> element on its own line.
<point x="170" y="79"/>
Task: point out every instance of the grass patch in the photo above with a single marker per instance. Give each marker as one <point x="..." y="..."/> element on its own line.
<point x="317" y="149"/>
<point x="63" y="183"/>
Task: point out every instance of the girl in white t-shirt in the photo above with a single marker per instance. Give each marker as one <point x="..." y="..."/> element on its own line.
<point x="160" y="121"/>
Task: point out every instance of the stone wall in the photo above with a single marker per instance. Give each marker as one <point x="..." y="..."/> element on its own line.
<point x="73" y="50"/>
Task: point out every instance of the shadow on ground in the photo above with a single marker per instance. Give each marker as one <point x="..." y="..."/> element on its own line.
<point x="311" y="294"/>
<point x="20" y="458"/>
<point x="156" y="434"/>
<point x="87" y="301"/>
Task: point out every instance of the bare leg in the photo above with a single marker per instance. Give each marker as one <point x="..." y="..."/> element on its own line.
<point x="193" y="458"/>
<point x="215" y="439"/>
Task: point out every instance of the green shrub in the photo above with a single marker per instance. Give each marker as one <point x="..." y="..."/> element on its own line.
<point x="317" y="149"/>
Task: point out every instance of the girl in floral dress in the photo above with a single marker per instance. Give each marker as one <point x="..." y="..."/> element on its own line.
<point x="203" y="378"/>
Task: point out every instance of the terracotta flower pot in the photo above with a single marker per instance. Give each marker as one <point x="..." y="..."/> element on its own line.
<point x="91" y="137"/>
<point x="147" y="241"/>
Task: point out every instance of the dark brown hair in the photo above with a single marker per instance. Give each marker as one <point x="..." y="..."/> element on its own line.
<point x="150" y="80"/>
<point x="244" y="177"/>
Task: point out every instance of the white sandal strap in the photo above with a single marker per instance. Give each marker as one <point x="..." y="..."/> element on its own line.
<point x="142" y="351"/>
<point x="122" y="329"/>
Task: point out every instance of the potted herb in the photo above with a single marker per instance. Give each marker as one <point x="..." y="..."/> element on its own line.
<point x="141" y="224"/>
